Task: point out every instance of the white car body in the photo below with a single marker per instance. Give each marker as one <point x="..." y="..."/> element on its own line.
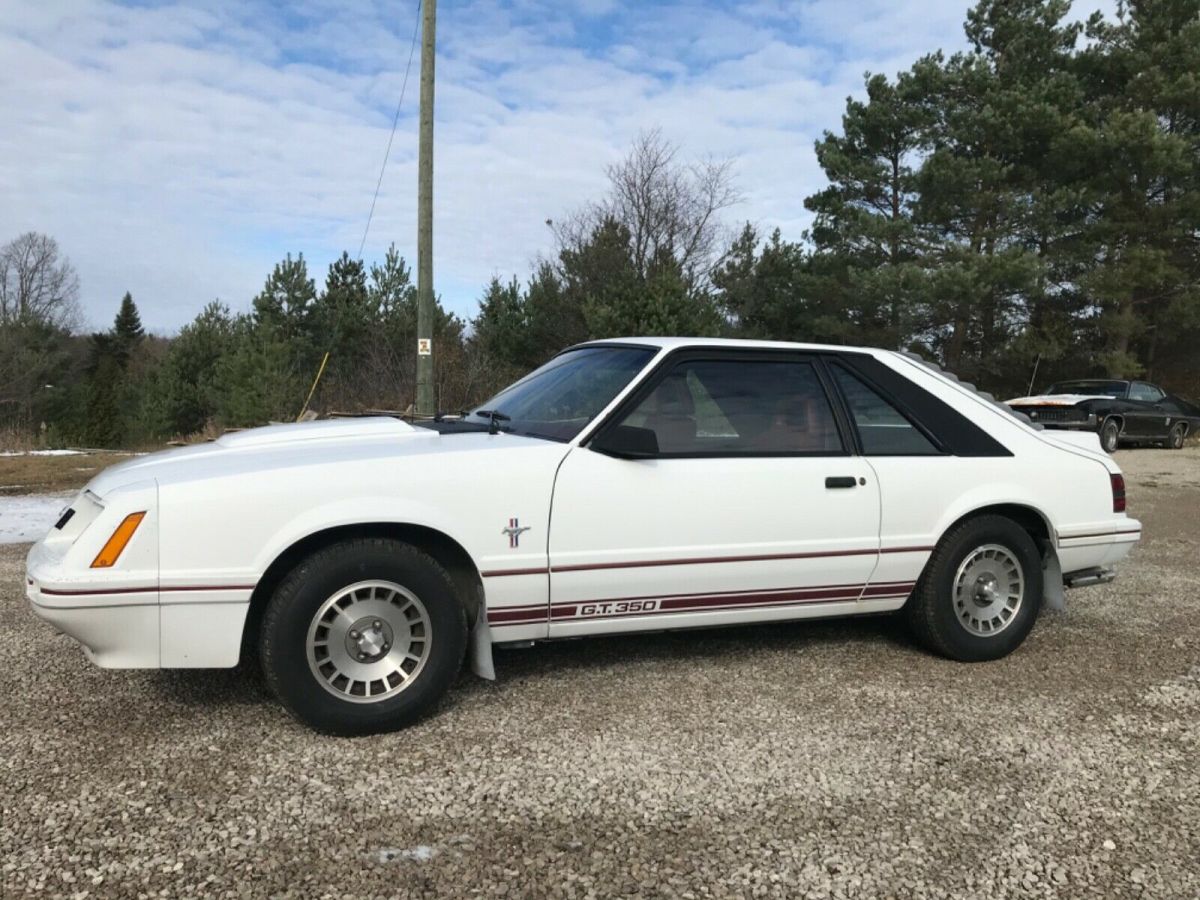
<point x="601" y="544"/>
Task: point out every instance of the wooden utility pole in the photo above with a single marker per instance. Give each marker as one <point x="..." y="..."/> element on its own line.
<point x="425" y="400"/>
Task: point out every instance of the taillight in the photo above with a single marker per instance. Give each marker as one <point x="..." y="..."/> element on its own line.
<point x="1118" y="489"/>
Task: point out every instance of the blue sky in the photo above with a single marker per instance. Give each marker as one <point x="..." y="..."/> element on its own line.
<point x="177" y="150"/>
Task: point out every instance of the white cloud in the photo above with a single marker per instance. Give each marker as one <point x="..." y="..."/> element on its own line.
<point x="178" y="151"/>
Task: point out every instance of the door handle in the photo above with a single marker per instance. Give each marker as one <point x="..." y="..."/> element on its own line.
<point x="840" y="481"/>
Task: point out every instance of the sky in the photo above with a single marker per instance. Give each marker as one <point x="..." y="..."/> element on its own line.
<point x="178" y="150"/>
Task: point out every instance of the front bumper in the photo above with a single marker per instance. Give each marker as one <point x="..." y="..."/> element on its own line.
<point x="138" y="626"/>
<point x="118" y="630"/>
<point x="113" y="637"/>
<point x="1069" y="426"/>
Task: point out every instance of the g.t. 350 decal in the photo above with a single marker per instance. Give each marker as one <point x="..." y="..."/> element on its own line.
<point x="616" y="607"/>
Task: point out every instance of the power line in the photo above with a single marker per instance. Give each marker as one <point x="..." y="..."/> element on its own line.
<point x="374" y="199"/>
<point x="395" y="121"/>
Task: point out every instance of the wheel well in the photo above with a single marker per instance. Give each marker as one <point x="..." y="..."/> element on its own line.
<point x="1114" y="417"/>
<point x="443" y="548"/>
<point x="1027" y="517"/>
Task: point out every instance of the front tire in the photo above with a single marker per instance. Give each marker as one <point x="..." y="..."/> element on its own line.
<point x="1175" y="438"/>
<point x="363" y="636"/>
<point x="1110" y="435"/>
<point x="980" y="593"/>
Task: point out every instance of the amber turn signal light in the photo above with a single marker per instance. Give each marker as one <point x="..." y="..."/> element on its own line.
<point x="112" y="549"/>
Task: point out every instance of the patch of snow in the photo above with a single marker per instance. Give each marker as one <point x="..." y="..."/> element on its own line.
<point x="25" y="519"/>
<point x="41" y="453"/>
<point x="420" y="853"/>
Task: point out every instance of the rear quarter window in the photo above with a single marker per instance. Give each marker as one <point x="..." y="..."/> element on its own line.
<point x="882" y="428"/>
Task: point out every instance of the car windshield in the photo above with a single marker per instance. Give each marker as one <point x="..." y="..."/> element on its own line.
<point x="559" y="399"/>
<point x="1094" y="388"/>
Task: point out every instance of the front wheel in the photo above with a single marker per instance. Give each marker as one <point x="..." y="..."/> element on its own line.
<point x="1175" y="438"/>
<point x="980" y="592"/>
<point x="1110" y="436"/>
<point x="363" y="636"/>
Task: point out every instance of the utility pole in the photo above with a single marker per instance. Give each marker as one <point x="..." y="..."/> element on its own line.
<point x="425" y="401"/>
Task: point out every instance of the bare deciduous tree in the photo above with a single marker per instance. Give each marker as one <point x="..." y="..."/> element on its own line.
<point x="37" y="284"/>
<point x="668" y="206"/>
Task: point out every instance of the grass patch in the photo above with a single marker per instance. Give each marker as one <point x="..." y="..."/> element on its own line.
<point x="44" y="474"/>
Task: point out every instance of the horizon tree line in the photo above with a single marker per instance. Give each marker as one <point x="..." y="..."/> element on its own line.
<point x="1030" y="202"/>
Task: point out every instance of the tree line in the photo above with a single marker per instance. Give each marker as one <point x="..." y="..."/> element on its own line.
<point x="1032" y="202"/>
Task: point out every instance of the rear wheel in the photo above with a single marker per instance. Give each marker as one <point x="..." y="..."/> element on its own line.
<point x="364" y="636"/>
<point x="1175" y="438"/>
<point x="1110" y="435"/>
<point x="981" y="591"/>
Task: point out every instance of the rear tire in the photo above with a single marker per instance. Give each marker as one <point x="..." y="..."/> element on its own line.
<point x="1110" y="435"/>
<point x="980" y="593"/>
<point x="1175" y="438"/>
<point x="364" y="636"/>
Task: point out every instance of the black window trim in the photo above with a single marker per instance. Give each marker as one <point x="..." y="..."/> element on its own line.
<point x="858" y="363"/>
<point x="727" y="354"/>
<point x="939" y="446"/>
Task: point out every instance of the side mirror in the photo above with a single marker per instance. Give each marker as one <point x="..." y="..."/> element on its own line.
<point x="627" y="442"/>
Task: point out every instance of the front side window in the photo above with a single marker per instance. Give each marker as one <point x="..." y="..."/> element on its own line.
<point x="559" y="399"/>
<point x="708" y="407"/>
<point x="882" y="428"/>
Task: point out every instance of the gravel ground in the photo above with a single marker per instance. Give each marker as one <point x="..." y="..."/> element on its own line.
<point x="811" y="760"/>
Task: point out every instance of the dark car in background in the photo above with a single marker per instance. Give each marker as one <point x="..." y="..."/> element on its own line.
<point x="1121" y="412"/>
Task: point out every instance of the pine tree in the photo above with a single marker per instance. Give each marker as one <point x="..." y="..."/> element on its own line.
<point x="127" y="328"/>
<point x="865" y="227"/>
<point x="287" y="299"/>
<point x="1144" y="153"/>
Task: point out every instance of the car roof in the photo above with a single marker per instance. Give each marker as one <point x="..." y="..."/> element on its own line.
<point x="1093" y="381"/>
<point x="674" y="343"/>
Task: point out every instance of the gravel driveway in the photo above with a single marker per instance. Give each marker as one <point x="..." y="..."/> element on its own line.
<point x="816" y="760"/>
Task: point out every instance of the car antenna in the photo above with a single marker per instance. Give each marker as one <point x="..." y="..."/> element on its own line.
<point x="1033" y="377"/>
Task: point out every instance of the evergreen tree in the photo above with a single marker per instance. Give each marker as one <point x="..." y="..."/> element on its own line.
<point x="782" y="292"/>
<point x="287" y="300"/>
<point x="342" y="313"/>
<point x="865" y="219"/>
<point x="188" y="394"/>
<point x="127" y="331"/>
<point x="1144" y="152"/>
<point x="500" y="327"/>
<point x="602" y="277"/>
<point x="391" y="294"/>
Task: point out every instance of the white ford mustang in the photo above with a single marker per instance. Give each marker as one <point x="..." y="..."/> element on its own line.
<point x="630" y="485"/>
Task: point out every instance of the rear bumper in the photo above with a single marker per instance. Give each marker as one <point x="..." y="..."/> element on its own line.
<point x="1087" y="554"/>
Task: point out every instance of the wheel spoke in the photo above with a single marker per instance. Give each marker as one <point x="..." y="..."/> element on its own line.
<point x="378" y="650"/>
<point x="989" y="587"/>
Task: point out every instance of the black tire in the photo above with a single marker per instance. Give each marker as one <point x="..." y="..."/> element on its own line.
<point x="932" y="612"/>
<point x="1175" y="438"/>
<point x="307" y="588"/>
<point x="1110" y="435"/>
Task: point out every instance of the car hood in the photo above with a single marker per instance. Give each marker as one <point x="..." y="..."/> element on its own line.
<point x="1057" y="399"/>
<point x="334" y="442"/>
